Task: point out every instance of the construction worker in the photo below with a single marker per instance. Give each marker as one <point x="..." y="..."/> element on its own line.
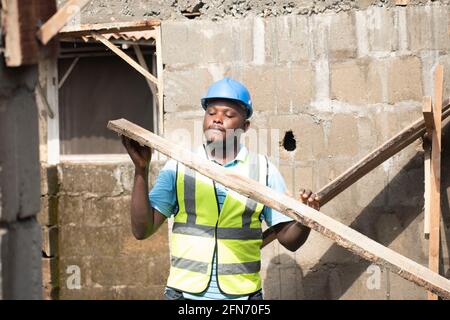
<point x="216" y="235"/>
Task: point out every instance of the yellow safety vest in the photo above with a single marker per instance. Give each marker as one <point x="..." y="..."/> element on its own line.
<point x="199" y="229"/>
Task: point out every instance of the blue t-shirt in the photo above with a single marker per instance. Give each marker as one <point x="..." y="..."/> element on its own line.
<point x="163" y="198"/>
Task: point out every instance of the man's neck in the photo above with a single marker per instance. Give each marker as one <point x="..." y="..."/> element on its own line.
<point x="222" y="153"/>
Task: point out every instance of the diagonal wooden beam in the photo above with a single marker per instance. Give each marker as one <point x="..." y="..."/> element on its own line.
<point x="344" y="236"/>
<point x="388" y="149"/>
<point x="51" y="28"/>
<point x="435" y="196"/>
<point x="125" y="57"/>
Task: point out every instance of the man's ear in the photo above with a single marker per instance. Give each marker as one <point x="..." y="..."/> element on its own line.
<point x="246" y="125"/>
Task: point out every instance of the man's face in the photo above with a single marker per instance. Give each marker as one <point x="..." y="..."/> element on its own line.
<point x="222" y="119"/>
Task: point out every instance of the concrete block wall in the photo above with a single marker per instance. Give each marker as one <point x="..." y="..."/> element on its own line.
<point x="342" y="83"/>
<point x="97" y="254"/>
<point x="20" y="237"/>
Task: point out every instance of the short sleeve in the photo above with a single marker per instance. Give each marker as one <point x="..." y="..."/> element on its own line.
<point x="275" y="182"/>
<point x="163" y="194"/>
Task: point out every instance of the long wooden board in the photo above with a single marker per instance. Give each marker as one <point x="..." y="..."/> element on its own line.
<point x="87" y="29"/>
<point x="344" y="236"/>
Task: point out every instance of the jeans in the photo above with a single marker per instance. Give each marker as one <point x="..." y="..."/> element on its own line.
<point x="172" y="294"/>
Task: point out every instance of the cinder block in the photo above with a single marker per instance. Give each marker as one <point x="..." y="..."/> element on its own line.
<point x="184" y="88"/>
<point x="106" y="212"/>
<point x="21" y="261"/>
<point x="356" y="82"/>
<point x="342" y="36"/>
<point x="288" y="39"/>
<point x="426" y="27"/>
<point x="99" y="179"/>
<point x="50" y="278"/>
<point x="118" y="271"/>
<point x="184" y="129"/>
<point x="260" y="81"/>
<point x="207" y="41"/>
<point x="382" y="30"/>
<point x="405" y="79"/>
<point x="49" y="179"/>
<point x="71" y="209"/>
<point x="294" y="88"/>
<point x="343" y="136"/>
<point x="50" y="241"/>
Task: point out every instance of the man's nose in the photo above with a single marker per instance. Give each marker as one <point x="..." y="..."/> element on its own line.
<point x="217" y="119"/>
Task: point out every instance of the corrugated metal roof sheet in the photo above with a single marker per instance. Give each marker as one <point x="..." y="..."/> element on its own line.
<point x="129" y="36"/>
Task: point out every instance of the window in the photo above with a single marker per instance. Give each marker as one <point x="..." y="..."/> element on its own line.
<point x="100" y="87"/>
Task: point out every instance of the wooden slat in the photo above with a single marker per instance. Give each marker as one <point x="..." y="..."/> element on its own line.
<point x="87" y="29"/>
<point x="435" y="209"/>
<point x="367" y="164"/>
<point x="125" y="57"/>
<point x="51" y="28"/>
<point x="427" y="193"/>
<point x="143" y="63"/>
<point x="344" y="236"/>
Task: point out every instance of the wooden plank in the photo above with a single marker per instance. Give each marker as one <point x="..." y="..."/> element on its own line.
<point x="68" y="72"/>
<point x="125" y="57"/>
<point x="427" y="193"/>
<point x="435" y="209"/>
<point x="427" y="111"/>
<point x="368" y="163"/>
<point x="344" y="236"/>
<point x="53" y="25"/>
<point x="87" y="29"/>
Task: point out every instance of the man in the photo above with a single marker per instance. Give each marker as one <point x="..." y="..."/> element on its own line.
<point x="216" y="236"/>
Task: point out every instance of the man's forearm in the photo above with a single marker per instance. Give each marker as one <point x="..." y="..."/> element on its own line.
<point x="141" y="213"/>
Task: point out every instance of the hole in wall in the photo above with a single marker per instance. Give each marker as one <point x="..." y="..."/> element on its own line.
<point x="289" y="142"/>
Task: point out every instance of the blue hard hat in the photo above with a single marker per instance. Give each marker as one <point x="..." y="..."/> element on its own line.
<point x="229" y="89"/>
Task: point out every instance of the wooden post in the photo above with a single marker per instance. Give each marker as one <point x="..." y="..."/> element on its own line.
<point x="427" y="110"/>
<point x="344" y="236"/>
<point x="435" y="197"/>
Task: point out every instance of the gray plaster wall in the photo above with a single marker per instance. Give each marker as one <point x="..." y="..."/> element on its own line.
<point x="20" y="235"/>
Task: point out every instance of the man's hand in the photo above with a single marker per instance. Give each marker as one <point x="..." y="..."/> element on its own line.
<point x="141" y="155"/>
<point x="309" y="198"/>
